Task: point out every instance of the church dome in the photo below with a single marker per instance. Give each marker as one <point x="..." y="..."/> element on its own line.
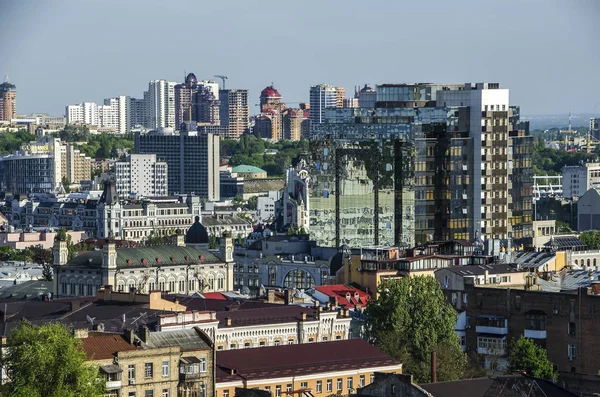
<point x="197" y="233"/>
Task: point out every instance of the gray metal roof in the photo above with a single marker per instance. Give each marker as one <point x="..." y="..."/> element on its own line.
<point x="187" y="339"/>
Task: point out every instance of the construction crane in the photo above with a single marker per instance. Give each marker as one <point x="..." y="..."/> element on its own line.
<point x="223" y="78"/>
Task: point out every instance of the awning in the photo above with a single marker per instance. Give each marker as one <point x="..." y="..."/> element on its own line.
<point x="189" y="360"/>
<point x="111" y="369"/>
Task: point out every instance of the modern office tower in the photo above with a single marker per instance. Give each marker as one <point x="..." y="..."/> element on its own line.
<point x="83" y="113"/>
<point x="161" y="104"/>
<point x="429" y="163"/>
<point x="8" y="101"/>
<point x="192" y="159"/>
<point x="340" y="94"/>
<point x="322" y="96"/>
<point x="595" y="128"/>
<point x="234" y="111"/>
<point x="41" y="166"/>
<point x="141" y="175"/>
<point x="367" y="97"/>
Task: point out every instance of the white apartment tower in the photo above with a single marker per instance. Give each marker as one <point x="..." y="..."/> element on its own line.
<point x="322" y="96"/>
<point x="141" y="175"/>
<point x="161" y="104"/>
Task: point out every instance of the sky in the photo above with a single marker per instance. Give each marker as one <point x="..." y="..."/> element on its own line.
<point x="60" y="52"/>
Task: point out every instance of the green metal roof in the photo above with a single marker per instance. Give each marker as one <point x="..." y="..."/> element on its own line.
<point x="163" y="255"/>
<point x="242" y="168"/>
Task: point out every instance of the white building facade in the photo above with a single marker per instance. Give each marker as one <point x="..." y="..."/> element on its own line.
<point x="578" y="179"/>
<point x="322" y="96"/>
<point x="161" y="104"/>
<point x="141" y="175"/>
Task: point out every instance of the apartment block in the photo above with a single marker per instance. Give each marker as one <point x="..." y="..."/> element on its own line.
<point x="578" y="179"/>
<point x="234" y="112"/>
<point x="141" y="175"/>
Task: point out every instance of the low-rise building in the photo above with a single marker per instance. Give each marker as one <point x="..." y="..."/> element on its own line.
<point x="36" y="238"/>
<point x="500" y="275"/>
<point x="175" y="268"/>
<point x="338" y="367"/>
<point x="178" y="363"/>
<point x="588" y="210"/>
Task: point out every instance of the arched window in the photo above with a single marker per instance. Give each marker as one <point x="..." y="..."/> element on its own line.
<point x="298" y="278"/>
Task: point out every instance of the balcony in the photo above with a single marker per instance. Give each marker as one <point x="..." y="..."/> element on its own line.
<point x="491" y="345"/>
<point x="113" y="384"/>
<point x="492" y="325"/>
<point x="535" y="334"/>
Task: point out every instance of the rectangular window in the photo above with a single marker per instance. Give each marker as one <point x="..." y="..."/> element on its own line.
<point x="329" y="385"/>
<point x="225" y="393"/>
<point x="572" y="352"/>
<point x="149" y="393"/>
<point x="361" y="381"/>
<point x="278" y="391"/>
<point x="349" y="383"/>
<point x="262" y="343"/>
<point x="148" y="370"/>
<point x="325" y="339"/>
<point x="268" y="388"/>
<point x="165" y="368"/>
<point x="304" y="385"/>
<point x="233" y="346"/>
<point x="339" y="384"/>
<point x="277" y="343"/>
<point x="290" y="341"/>
<point x="202" y="390"/>
<point x="571" y="328"/>
<point x="131" y="374"/>
<point x="288" y="388"/>
<point x="202" y="365"/>
<point x="165" y="393"/>
<point x="247" y="345"/>
<point x="372" y="378"/>
<point x="319" y="387"/>
<point x="131" y="394"/>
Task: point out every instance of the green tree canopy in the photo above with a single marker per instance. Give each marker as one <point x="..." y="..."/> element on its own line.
<point x="591" y="238"/>
<point x="526" y="356"/>
<point x="47" y="361"/>
<point x="409" y="320"/>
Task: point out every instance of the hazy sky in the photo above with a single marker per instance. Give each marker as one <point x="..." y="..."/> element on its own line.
<point x="71" y="51"/>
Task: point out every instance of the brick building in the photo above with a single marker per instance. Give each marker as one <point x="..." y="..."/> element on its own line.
<point x="565" y="323"/>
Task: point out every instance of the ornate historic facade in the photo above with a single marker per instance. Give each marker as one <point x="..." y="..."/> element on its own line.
<point x="174" y="269"/>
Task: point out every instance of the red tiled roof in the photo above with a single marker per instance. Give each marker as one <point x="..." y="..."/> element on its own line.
<point x="299" y="359"/>
<point x="101" y="347"/>
<point x="341" y="291"/>
<point x="214" y="295"/>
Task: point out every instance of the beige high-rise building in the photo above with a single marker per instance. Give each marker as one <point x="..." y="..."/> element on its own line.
<point x="340" y="95"/>
<point x="8" y="101"/>
<point x="75" y="166"/>
<point x="234" y="111"/>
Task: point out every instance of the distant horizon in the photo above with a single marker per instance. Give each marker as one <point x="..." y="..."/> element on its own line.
<point x="67" y="53"/>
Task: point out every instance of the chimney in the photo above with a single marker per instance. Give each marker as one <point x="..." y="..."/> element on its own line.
<point x="145" y="333"/>
<point x="271" y="296"/>
<point x="228" y="321"/>
<point x="80" y="333"/>
<point x="287" y="297"/>
<point x="486" y="275"/>
<point x="129" y="336"/>
<point x="75" y="305"/>
<point x="316" y="304"/>
<point x="303" y="316"/>
<point x="433" y="367"/>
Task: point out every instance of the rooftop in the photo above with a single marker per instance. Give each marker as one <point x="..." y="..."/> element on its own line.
<point x="299" y="359"/>
<point x="341" y="292"/>
<point x="243" y="168"/>
<point x="187" y="339"/>
<point x="104" y="346"/>
<point x="164" y="255"/>
<point x="480" y="270"/>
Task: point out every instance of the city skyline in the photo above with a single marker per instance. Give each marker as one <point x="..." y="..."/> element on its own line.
<point x="546" y="68"/>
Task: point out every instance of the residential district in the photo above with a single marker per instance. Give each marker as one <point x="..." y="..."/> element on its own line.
<point x="195" y="249"/>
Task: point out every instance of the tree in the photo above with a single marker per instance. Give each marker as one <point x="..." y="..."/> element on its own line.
<point x="591" y="238"/>
<point x="48" y="361"/>
<point x="252" y="203"/>
<point x="409" y="320"/>
<point x="66" y="184"/>
<point x="212" y="242"/>
<point x="526" y="356"/>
